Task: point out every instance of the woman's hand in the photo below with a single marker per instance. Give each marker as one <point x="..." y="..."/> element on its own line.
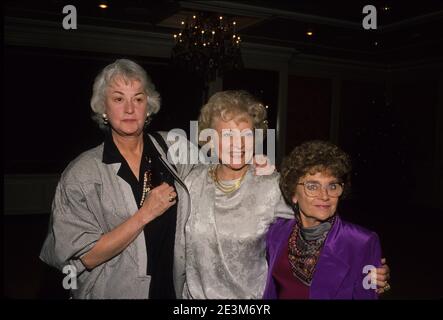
<point x="263" y="166"/>
<point x="158" y="200"/>
<point x="383" y="275"/>
<point x="114" y="242"/>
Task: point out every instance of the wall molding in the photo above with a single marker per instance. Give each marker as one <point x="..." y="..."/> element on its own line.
<point x="235" y="8"/>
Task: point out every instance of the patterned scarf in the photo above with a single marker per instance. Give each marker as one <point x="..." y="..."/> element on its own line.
<point x="304" y="248"/>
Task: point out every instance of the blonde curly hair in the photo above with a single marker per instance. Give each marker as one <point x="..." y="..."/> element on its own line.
<point x="230" y="103"/>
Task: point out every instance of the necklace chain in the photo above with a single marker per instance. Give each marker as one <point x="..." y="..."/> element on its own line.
<point x="223" y="186"/>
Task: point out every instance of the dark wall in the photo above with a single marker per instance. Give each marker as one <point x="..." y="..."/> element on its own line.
<point x="261" y="83"/>
<point x="418" y="107"/>
<point x="368" y="132"/>
<point x="309" y="110"/>
<point x="390" y="131"/>
<point x="24" y="275"/>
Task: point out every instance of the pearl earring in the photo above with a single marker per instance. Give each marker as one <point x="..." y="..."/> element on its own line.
<point x="105" y="119"/>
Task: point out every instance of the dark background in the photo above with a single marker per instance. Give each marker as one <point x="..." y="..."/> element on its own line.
<point x="381" y="103"/>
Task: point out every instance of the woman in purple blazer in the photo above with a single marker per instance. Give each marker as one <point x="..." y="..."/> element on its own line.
<point x="317" y="255"/>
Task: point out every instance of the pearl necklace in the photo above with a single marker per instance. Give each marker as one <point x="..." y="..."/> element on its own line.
<point x="147" y="177"/>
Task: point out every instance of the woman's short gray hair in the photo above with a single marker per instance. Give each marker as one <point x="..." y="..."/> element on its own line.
<point x="229" y="103"/>
<point x="129" y="70"/>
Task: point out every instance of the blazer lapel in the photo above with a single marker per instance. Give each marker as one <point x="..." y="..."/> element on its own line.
<point x="163" y="158"/>
<point x="277" y="240"/>
<point x="331" y="270"/>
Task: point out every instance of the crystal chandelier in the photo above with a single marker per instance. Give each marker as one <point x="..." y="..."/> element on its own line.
<point x="208" y="45"/>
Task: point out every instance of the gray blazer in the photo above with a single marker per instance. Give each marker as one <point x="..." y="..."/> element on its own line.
<point x="91" y="200"/>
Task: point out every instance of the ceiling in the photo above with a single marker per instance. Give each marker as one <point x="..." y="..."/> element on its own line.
<point x="406" y="31"/>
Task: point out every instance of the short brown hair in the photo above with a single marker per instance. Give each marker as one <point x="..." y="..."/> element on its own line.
<point x="312" y="157"/>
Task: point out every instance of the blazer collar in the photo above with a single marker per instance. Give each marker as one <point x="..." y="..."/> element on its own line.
<point x="163" y="158"/>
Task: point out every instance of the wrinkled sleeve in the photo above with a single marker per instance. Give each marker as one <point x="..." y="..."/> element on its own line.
<point x="283" y="210"/>
<point x="73" y="228"/>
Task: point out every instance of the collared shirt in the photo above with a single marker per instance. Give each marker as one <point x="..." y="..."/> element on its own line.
<point x="159" y="233"/>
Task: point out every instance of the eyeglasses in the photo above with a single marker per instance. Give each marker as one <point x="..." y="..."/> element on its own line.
<point x="314" y="189"/>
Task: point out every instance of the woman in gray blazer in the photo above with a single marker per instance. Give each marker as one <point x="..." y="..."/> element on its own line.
<point x="113" y="221"/>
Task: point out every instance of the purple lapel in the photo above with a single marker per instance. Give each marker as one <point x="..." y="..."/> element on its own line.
<point x="331" y="270"/>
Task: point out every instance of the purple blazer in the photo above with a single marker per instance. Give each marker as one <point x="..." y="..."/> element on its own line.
<point x="339" y="271"/>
